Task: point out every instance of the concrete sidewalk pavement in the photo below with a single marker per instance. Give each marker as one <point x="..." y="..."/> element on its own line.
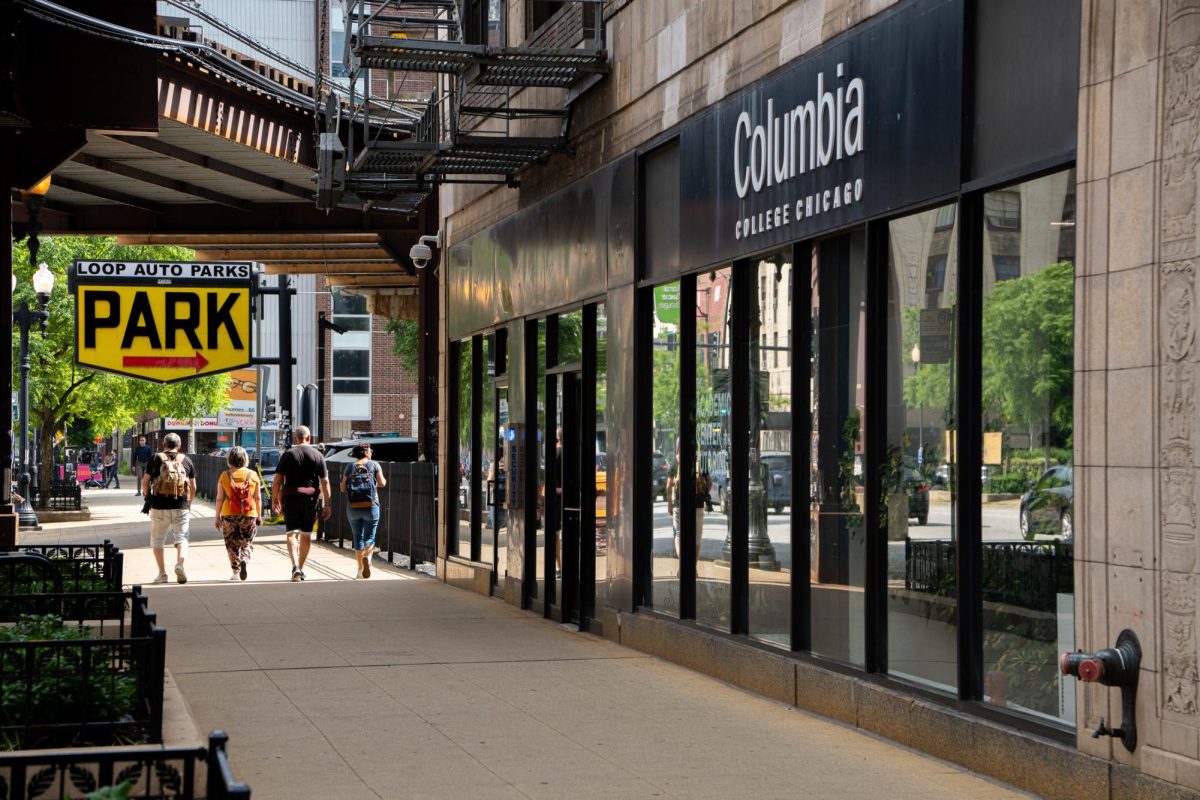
<point x="400" y="686"/>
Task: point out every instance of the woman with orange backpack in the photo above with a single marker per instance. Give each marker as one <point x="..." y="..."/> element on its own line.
<point x="240" y="514"/>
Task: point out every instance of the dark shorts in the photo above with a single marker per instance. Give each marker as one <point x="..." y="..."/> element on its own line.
<point x="300" y="512"/>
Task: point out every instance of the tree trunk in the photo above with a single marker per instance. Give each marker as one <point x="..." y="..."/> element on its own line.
<point x="46" y="465"/>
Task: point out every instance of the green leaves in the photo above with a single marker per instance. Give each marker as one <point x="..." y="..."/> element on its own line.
<point x="59" y="391"/>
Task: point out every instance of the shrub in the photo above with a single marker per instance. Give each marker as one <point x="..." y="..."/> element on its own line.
<point x="59" y="681"/>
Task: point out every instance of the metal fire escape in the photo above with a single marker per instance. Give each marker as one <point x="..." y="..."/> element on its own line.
<point x="464" y="106"/>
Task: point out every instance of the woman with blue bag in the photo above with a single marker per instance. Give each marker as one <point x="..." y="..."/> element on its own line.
<point x="360" y="483"/>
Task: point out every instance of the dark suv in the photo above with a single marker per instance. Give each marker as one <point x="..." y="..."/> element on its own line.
<point x="1049" y="505"/>
<point x="917" y="489"/>
<point x="777" y="475"/>
<point x="660" y="468"/>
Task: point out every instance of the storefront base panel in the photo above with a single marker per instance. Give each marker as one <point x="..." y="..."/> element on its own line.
<point x="1045" y="767"/>
<point x="468" y="575"/>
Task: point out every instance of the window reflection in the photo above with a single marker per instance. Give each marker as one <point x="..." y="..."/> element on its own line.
<point x="770" y="458"/>
<point x="837" y="530"/>
<point x="664" y="590"/>
<point x="493" y="456"/>
<point x="465" y="495"/>
<point x="917" y="486"/>
<point x="539" y="466"/>
<point x="713" y="298"/>
<point x="602" y="482"/>
<point x="1028" y="481"/>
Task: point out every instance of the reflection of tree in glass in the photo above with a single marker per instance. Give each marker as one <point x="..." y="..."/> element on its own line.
<point x="1028" y="351"/>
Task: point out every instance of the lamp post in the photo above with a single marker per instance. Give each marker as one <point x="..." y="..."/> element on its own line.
<point x="916" y="359"/>
<point x="43" y="285"/>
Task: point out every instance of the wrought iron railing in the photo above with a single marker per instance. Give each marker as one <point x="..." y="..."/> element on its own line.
<point x="1024" y="574"/>
<point x="83" y="567"/>
<point x="58" y="691"/>
<point x="408" y="513"/>
<point x="161" y="773"/>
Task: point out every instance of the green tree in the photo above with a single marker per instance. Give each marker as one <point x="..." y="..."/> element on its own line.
<point x="61" y="392"/>
<point x="407" y="344"/>
<point x="1028" y="351"/>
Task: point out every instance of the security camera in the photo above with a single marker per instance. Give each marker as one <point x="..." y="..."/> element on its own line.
<point x="421" y="254"/>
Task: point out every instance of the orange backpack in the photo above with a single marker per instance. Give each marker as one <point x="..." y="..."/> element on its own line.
<point x="240" y="500"/>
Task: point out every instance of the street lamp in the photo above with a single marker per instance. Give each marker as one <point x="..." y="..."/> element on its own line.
<point x="916" y="359"/>
<point x="43" y="285"/>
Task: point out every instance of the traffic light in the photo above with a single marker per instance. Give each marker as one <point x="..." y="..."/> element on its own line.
<point x="270" y="409"/>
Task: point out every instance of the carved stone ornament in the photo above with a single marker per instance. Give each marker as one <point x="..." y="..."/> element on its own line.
<point x="1178" y="326"/>
<point x="1179" y="399"/>
<point x="1180" y="661"/>
<point x="1179" y="207"/>
<point x="1179" y="593"/>
<point x="1179" y="482"/>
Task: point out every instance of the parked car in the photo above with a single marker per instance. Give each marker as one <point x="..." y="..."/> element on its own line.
<point x="269" y="460"/>
<point x="383" y="448"/>
<point x="1049" y="505"/>
<point x="660" y="468"/>
<point x="777" y="475"/>
<point x="917" y="489"/>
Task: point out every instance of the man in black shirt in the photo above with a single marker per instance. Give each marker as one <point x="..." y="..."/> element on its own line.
<point x="301" y="482"/>
<point x="170" y="483"/>
<point x="141" y="457"/>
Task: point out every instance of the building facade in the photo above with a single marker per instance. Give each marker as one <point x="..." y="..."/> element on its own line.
<point x="718" y="384"/>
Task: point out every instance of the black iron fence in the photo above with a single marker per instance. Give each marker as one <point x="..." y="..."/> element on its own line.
<point x="62" y="687"/>
<point x="83" y="567"/>
<point x="1028" y="575"/>
<point x="168" y="773"/>
<point x="407" y="506"/>
<point x="407" y="512"/>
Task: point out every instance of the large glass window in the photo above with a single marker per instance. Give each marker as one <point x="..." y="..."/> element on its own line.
<point x="917" y="486"/>
<point x="493" y="455"/>
<point x="539" y="466"/>
<point x="664" y="592"/>
<point x="770" y="489"/>
<point x="601" y="457"/>
<point x="465" y="495"/>
<point x="713" y="308"/>
<point x="1028" y="483"/>
<point x="837" y="525"/>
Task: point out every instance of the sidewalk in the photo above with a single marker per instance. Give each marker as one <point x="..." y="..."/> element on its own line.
<point x="401" y="687"/>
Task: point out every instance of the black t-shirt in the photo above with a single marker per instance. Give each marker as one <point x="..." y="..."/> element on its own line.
<point x="301" y="466"/>
<point x="152" y="469"/>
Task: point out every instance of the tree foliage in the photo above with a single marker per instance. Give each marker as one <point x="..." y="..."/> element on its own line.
<point x="60" y="393"/>
<point x="1028" y="349"/>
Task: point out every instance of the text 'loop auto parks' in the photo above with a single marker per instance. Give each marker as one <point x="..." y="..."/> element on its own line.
<point x="162" y="321"/>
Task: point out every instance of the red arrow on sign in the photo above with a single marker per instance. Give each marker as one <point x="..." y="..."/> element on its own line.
<point x="197" y="361"/>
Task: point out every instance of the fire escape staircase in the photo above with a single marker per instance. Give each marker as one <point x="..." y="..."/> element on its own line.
<point x="487" y="109"/>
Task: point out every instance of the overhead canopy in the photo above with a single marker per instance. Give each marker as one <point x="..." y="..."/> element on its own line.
<point x="229" y="173"/>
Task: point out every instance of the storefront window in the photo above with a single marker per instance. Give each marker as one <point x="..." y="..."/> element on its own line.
<point x="495" y="470"/>
<point x="917" y="486"/>
<point x="540" y="462"/>
<point x="1027" y="416"/>
<point x="465" y="495"/>
<point x="664" y="593"/>
<point x="601" y="533"/>
<point x="770" y="489"/>
<point x="837" y="524"/>
<point x="713" y="298"/>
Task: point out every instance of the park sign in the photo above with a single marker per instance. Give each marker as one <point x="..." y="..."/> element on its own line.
<point x="162" y="321"/>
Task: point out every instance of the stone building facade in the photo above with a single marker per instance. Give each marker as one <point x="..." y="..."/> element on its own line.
<point x="1131" y="202"/>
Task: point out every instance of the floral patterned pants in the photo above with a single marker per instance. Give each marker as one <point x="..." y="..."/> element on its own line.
<point x="239" y="535"/>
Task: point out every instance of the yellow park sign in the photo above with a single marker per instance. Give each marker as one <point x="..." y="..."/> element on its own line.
<point x="162" y="321"/>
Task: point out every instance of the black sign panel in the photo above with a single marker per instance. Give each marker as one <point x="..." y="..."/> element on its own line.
<point x="870" y="122"/>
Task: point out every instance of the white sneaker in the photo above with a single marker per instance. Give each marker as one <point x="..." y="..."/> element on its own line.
<point x="236" y="576"/>
<point x="358" y="574"/>
<point x="180" y="575"/>
<point x="162" y="578"/>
